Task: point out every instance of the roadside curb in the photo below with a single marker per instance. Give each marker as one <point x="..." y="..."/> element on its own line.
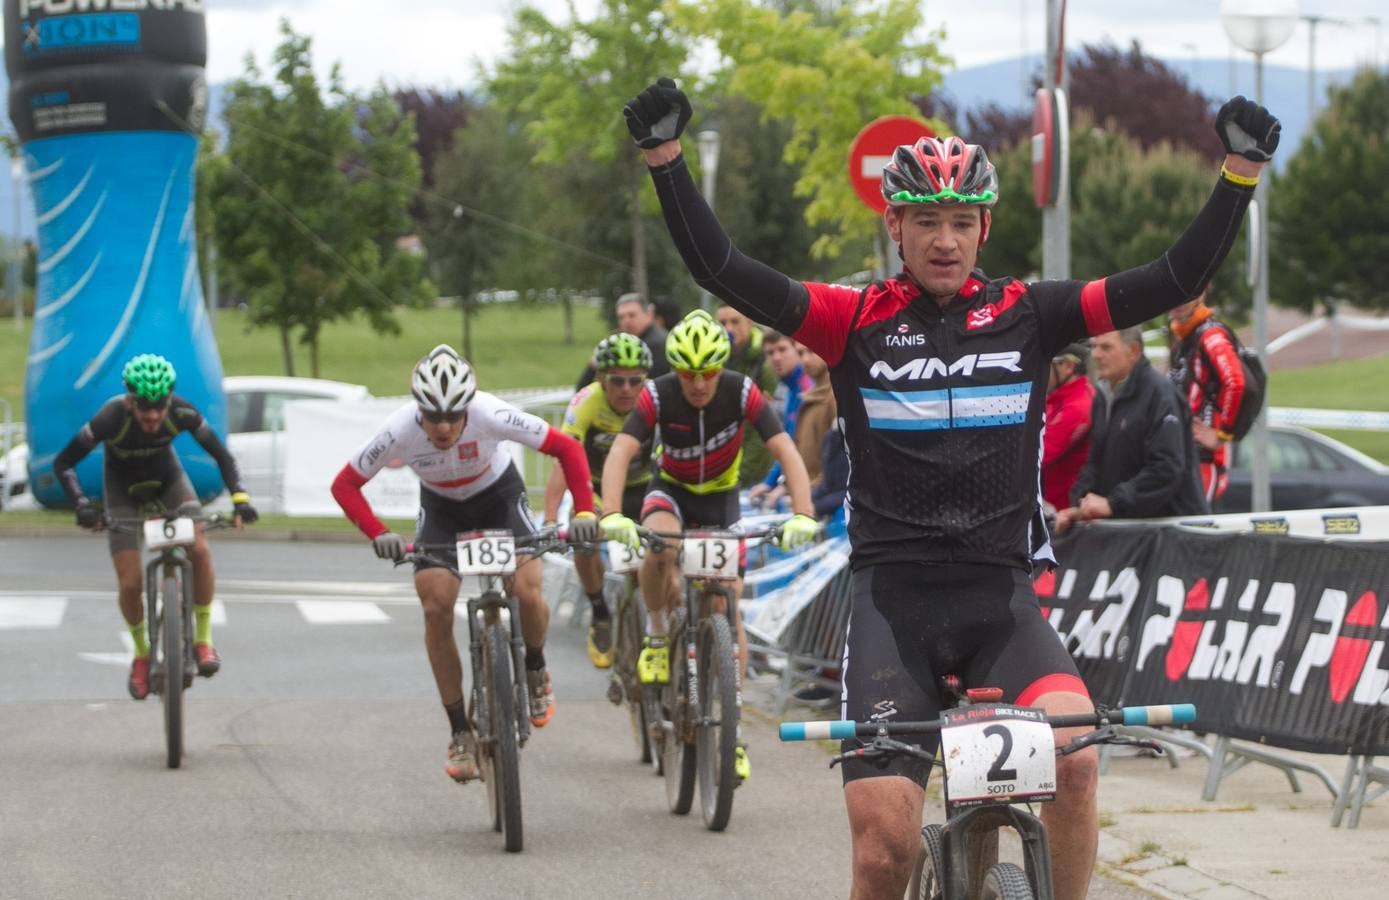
<point x="1162" y="876"/>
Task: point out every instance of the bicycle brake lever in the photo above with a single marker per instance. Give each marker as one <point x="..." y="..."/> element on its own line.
<point x="1148" y="744"/>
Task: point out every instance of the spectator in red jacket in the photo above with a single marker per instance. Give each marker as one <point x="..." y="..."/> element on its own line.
<point x="1206" y="369"/>
<point x="1066" y="440"/>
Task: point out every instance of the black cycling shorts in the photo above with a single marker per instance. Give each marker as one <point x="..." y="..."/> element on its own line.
<point x="718" y="510"/>
<point x="504" y="504"/>
<point x="124" y="499"/>
<point x="912" y="624"/>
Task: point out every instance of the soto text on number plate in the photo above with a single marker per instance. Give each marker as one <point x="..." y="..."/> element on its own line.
<point x="623" y="559"/>
<point x="710" y="554"/>
<point x="161" y="533"/>
<point x="997" y="754"/>
<point x="491" y="552"/>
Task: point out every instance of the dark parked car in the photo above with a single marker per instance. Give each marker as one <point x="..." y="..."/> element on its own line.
<point x="1308" y="470"/>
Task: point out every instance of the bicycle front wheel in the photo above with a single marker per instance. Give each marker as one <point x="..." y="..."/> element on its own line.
<point x="717" y="732"/>
<point x="171" y="636"/>
<point x="678" y="749"/>
<point x="1005" y="881"/>
<point x="928" y="878"/>
<point x="504" y="787"/>
<point x="628" y="646"/>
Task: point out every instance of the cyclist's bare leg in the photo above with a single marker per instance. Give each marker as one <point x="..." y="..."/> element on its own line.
<point x="203" y="579"/>
<point x="438" y="593"/>
<point x="130" y="584"/>
<point x="659" y="577"/>
<point x="885" y="829"/>
<point x="590" y="569"/>
<point x="1072" y="821"/>
<point x="535" y="612"/>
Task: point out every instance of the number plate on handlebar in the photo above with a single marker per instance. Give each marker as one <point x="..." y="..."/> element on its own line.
<point x="491" y="552"/>
<point x="161" y="533"/>
<point x="710" y="554"/>
<point x="997" y="754"/>
<point x="623" y="559"/>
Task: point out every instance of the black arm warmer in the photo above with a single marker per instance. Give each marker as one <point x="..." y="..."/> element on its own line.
<point x="756" y="290"/>
<point x="205" y="436"/>
<point x="67" y="458"/>
<point x="1181" y="273"/>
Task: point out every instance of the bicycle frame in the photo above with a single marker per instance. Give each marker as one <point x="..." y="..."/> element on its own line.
<point x="483" y="610"/>
<point x="168" y="560"/>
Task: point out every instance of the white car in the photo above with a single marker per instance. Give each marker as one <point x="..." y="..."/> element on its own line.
<point x="255" y="417"/>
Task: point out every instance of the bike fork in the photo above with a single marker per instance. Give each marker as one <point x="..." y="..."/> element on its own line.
<point x="521" y="677"/>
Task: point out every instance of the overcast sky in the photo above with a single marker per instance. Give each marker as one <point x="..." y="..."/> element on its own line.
<point x="442" y="42"/>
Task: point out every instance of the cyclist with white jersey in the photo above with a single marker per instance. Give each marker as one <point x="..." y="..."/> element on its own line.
<point x="451" y="436"/>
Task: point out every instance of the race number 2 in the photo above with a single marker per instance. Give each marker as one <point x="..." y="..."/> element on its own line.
<point x="997" y="754"/>
<point x="491" y="552"/>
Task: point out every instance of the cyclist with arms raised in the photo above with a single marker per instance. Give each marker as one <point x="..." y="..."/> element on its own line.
<point x="940" y="376"/>
<point x="594" y="419"/>
<point x="701" y="409"/>
<point x="141" y="466"/>
<point x="451" y="436"/>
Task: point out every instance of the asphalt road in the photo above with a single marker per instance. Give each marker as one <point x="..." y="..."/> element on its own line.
<point x="314" y="760"/>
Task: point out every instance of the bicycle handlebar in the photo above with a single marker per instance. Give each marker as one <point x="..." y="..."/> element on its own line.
<point x="133" y="524"/>
<point x="1162" y="714"/>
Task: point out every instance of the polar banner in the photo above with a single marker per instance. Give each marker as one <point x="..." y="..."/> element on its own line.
<point x="1275" y="639"/>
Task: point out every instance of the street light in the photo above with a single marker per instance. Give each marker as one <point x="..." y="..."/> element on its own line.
<point x="708" y="144"/>
<point x="1260" y="26"/>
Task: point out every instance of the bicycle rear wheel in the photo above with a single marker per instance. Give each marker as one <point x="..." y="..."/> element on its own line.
<point x="928" y="878"/>
<point x="171" y="636"/>
<point x="679" y="755"/>
<point x="1005" y="881"/>
<point x="504" y="787"/>
<point x="717" y="730"/>
<point x="628" y="645"/>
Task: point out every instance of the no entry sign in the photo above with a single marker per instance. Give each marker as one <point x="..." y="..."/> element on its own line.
<point x="872" y="149"/>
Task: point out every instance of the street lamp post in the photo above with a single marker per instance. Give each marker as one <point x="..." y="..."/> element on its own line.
<point x="708" y="143"/>
<point x="1260" y="26"/>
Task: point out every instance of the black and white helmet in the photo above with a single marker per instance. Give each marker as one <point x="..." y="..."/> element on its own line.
<point x="443" y="381"/>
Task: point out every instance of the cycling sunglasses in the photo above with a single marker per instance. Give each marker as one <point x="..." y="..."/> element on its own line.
<point x="625" y="380"/>
<point x="436" y="418"/>
<point x="702" y="375"/>
<point x="144" y="404"/>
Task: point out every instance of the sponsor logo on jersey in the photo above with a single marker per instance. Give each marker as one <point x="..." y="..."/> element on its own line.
<point x="904" y="340"/>
<point x="371" y="454"/>
<point x="924" y="368"/>
<point x="981" y="317"/>
<point x="467" y="450"/>
<point x="517" y="419"/>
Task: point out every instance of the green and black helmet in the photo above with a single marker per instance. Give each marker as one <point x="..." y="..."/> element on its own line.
<point x="149" y="377"/>
<point x="698" y="343"/>
<point x="621" y="351"/>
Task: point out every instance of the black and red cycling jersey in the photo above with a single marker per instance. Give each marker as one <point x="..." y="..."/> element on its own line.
<point x="943" y="405"/>
<point x="701" y="447"/>
<point x="1206" y="367"/>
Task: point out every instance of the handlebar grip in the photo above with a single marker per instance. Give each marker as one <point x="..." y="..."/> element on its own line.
<point x="817" y="731"/>
<point x="1162" y="714"/>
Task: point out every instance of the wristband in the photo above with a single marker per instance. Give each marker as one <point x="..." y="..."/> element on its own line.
<point x="240" y="498"/>
<point x="1225" y="436"/>
<point x="1241" y="180"/>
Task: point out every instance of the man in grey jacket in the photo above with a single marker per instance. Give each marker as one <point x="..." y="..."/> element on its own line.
<point x="1143" y="461"/>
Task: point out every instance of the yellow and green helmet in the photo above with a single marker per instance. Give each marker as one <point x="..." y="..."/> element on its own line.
<point x="621" y="351"/>
<point x="149" y="376"/>
<point x="697" y="343"/>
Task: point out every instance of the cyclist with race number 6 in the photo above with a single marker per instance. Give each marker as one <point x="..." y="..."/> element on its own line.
<point x="451" y="436"/>
<point x="142" y="470"/>
<point x="701" y="409"/>
<point x="940" y="374"/>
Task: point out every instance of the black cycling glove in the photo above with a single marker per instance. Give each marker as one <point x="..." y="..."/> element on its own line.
<point x="88" y="516"/>
<point x="1247" y="129"/>
<point x="658" y="114"/>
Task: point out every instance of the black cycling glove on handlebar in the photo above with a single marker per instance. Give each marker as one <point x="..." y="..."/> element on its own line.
<point x="88" y="516"/>
<point x="658" y="114"/>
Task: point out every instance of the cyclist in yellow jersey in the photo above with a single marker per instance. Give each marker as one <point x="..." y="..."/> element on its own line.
<point x="701" y="409"/>
<point x="594" y="418"/>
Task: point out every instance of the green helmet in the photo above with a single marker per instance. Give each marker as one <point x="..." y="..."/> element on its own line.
<point x="149" y="376"/>
<point x="697" y="343"/>
<point x="622" y="351"/>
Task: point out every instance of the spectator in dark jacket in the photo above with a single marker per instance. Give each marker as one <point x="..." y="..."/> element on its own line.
<point x="635" y="316"/>
<point x="1143" y="461"/>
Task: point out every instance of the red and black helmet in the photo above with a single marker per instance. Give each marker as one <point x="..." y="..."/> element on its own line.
<point x="940" y="171"/>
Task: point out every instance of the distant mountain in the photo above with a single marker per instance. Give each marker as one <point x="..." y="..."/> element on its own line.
<point x="1001" y="82"/>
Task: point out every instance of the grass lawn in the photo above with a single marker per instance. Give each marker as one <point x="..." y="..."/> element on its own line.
<point x="513" y="346"/>
<point x="1356" y="384"/>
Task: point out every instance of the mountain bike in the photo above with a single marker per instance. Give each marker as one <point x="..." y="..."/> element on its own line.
<point x="499" y="704"/>
<point x="169" y="574"/>
<point x="629" y="624"/>
<point x="693" y="718"/>
<point x="995" y="757"/>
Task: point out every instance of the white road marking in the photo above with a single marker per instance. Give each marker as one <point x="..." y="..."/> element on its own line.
<point x="341" y="612"/>
<point x="121" y="659"/>
<point x="31" y="612"/>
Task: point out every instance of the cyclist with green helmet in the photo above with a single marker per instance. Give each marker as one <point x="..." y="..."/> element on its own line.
<point x="701" y="410"/>
<point x="595" y="418"/>
<point x="138" y="429"/>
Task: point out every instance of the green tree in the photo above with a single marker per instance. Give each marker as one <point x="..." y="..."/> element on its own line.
<point x="569" y="81"/>
<point x="312" y="201"/>
<point x="1330" y="206"/>
<point x="828" y="70"/>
